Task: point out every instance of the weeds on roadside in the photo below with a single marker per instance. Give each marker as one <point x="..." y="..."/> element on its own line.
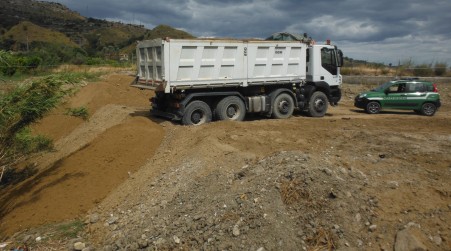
<point x="80" y="112"/>
<point x="23" y="105"/>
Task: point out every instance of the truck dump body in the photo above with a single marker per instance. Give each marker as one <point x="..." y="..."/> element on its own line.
<point x="188" y="64"/>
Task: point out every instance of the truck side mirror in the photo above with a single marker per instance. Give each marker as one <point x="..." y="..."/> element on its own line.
<point x="340" y="58"/>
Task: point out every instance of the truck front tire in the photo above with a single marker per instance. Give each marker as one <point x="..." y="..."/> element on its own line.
<point x="196" y="113"/>
<point x="283" y="106"/>
<point x="230" y="108"/>
<point x="317" y="106"/>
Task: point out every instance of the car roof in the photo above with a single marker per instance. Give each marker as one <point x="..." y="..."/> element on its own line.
<point x="410" y="80"/>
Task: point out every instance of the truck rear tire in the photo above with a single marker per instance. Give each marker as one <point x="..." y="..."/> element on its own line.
<point x="197" y="113"/>
<point x="283" y="106"/>
<point x="231" y="108"/>
<point x="317" y="106"/>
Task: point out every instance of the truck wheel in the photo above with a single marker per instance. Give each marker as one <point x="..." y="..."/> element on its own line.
<point x="196" y="113"/>
<point x="373" y="107"/>
<point x="318" y="104"/>
<point x="283" y="106"/>
<point x="428" y="109"/>
<point x="230" y="108"/>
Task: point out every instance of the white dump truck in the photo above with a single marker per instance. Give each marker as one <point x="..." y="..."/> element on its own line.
<point x="197" y="80"/>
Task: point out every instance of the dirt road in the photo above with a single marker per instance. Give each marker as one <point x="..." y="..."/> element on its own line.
<point x="348" y="180"/>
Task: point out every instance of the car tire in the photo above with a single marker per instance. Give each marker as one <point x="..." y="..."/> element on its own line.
<point x="373" y="107"/>
<point x="428" y="109"/>
<point x="197" y="113"/>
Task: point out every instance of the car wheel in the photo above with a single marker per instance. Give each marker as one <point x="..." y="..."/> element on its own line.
<point x="197" y="113"/>
<point x="373" y="107"/>
<point x="231" y="108"/>
<point x="428" y="109"/>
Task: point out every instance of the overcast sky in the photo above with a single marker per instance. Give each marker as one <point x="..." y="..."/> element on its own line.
<point x="386" y="31"/>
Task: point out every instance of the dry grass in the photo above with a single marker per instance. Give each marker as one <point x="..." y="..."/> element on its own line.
<point x="292" y="192"/>
<point x="322" y="240"/>
<point x="92" y="69"/>
<point x="28" y="32"/>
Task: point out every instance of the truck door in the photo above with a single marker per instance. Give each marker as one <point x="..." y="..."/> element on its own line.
<point x="323" y="64"/>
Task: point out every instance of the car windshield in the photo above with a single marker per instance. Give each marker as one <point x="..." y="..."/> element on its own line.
<point x="382" y="87"/>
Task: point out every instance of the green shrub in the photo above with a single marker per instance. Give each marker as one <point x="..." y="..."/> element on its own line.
<point x="81" y="112"/>
<point x="21" y="107"/>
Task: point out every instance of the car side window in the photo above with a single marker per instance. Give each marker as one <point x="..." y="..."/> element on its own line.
<point x="397" y="88"/>
<point x="416" y="87"/>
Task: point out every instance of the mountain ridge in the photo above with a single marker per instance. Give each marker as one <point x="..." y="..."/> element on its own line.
<point x="90" y="34"/>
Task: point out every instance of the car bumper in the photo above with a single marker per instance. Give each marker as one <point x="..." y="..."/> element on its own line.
<point x="360" y="102"/>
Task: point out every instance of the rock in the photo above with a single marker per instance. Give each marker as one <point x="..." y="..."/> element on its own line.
<point x="358" y="217"/>
<point x="261" y="249"/>
<point x="27" y="238"/>
<point x="409" y="239"/>
<point x="437" y="240"/>
<point x="372" y="228"/>
<point x="112" y="220"/>
<point x="93" y="218"/>
<point x="236" y="231"/>
<point x="133" y="247"/>
<point x="108" y="248"/>
<point x="160" y="241"/>
<point x="79" y="246"/>
<point x="38" y="239"/>
<point x="143" y="243"/>
<point x="393" y="184"/>
<point x="176" y="239"/>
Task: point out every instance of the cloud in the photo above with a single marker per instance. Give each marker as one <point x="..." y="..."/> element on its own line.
<point x="365" y="27"/>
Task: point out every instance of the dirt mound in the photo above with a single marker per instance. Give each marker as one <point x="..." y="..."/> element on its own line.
<point x="348" y="181"/>
<point x="291" y="199"/>
<point x="90" y="159"/>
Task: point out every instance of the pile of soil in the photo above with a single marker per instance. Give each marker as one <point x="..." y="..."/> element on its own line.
<point x="347" y="181"/>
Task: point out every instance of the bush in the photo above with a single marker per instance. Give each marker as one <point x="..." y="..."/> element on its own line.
<point x="440" y="69"/>
<point x="81" y="112"/>
<point x="423" y="70"/>
<point x="21" y="107"/>
<point x="8" y="63"/>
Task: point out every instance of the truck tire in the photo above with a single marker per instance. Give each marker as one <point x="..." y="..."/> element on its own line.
<point x="317" y="106"/>
<point x="283" y="106"/>
<point x="196" y="113"/>
<point x="231" y="108"/>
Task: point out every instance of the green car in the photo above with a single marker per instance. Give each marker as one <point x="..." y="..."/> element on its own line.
<point x="405" y="94"/>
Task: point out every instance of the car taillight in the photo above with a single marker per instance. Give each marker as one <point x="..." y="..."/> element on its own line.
<point x="435" y="87"/>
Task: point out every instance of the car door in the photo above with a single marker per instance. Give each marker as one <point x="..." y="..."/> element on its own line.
<point x="416" y="94"/>
<point x="395" y="96"/>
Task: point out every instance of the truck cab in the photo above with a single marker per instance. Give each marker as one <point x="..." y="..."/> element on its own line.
<point x="323" y="64"/>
